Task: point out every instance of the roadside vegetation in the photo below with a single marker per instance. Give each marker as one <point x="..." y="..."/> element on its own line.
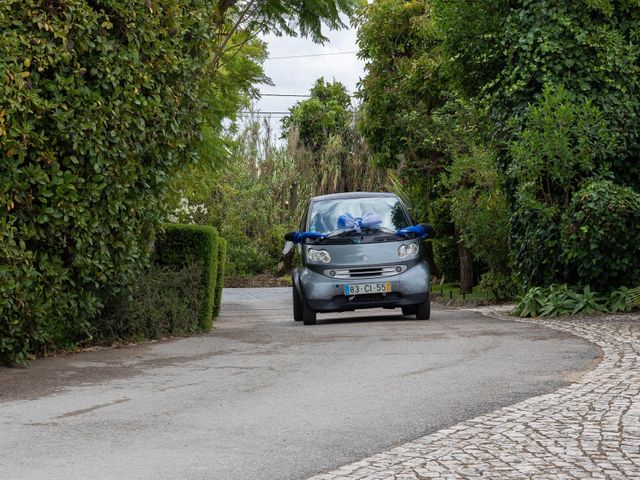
<point x="509" y="126"/>
<point x="512" y="127"/>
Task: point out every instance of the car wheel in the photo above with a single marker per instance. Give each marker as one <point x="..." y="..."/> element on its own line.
<point x="423" y="310"/>
<point x="308" y="315"/>
<point x="409" y="310"/>
<point x="297" y="305"/>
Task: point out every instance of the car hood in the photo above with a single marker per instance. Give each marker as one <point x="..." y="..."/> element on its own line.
<point x="362" y="254"/>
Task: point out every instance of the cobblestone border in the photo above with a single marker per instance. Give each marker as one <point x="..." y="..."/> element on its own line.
<point x="590" y="429"/>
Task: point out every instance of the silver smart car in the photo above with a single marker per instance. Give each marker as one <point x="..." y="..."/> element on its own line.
<point x="359" y="250"/>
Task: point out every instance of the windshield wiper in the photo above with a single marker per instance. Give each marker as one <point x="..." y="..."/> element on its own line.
<point x="335" y="234"/>
<point x="345" y="231"/>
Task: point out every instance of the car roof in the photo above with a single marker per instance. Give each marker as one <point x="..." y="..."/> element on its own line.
<point x="335" y="196"/>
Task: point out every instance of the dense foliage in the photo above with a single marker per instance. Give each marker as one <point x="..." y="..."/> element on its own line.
<point x="164" y="301"/>
<point x="560" y="145"/>
<point x="522" y="109"/>
<point x="180" y="245"/>
<point x="600" y="236"/>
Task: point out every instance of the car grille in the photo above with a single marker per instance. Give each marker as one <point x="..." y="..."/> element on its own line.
<point x="366" y="272"/>
<point x="367" y="298"/>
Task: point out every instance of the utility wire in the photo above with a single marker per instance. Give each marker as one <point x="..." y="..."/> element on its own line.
<point x="264" y="113"/>
<point x="283" y="95"/>
<point x="291" y="95"/>
<point x="312" y="55"/>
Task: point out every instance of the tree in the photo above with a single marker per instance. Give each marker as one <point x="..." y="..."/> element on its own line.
<point x="282" y="17"/>
<point x="407" y="82"/>
<point x="323" y="140"/>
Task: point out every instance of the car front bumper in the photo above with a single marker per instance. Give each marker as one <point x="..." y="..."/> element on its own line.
<point x="325" y="294"/>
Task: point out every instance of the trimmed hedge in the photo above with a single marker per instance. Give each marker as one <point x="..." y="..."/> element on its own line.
<point x="178" y="295"/>
<point x="164" y="301"/>
<point x="222" y="261"/>
<point x="182" y="245"/>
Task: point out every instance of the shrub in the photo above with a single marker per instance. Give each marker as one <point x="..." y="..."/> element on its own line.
<point x="164" y="301"/>
<point x="600" y="236"/>
<point x="180" y="245"/>
<point x="222" y="262"/>
<point x="175" y="296"/>
<point x="566" y="300"/>
<point x="99" y="106"/>
<point x="563" y="141"/>
<point x="501" y="285"/>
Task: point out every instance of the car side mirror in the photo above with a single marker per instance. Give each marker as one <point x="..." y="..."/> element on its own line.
<point x="289" y="236"/>
<point x="288" y="246"/>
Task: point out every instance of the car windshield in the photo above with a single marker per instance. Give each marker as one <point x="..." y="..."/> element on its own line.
<point x="325" y="214"/>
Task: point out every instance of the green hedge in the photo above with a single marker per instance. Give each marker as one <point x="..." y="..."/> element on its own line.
<point x="164" y="301"/>
<point x="180" y="245"/>
<point x="178" y="295"/>
<point x="222" y="262"/>
<point x="100" y="107"/>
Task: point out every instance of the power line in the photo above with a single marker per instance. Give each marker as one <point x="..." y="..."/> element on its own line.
<point x="312" y="55"/>
<point x="292" y="95"/>
<point x="265" y="113"/>
<point x="283" y="95"/>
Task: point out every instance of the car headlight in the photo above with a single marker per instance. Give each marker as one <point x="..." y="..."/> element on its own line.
<point x="318" y="256"/>
<point x="411" y="249"/>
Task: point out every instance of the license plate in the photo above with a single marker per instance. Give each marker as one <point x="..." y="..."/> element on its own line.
<point x="362" y="288"/>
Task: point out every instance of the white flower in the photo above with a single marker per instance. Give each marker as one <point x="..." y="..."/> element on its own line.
<point x="187" y="212"/>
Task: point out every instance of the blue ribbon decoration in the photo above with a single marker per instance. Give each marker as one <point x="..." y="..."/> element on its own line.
<point x="417" y="229"/>
<point x="300" y="236"/>
<point x="369" y="220"/>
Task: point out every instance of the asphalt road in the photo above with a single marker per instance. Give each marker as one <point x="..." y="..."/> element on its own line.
<point x="263" y="397"/>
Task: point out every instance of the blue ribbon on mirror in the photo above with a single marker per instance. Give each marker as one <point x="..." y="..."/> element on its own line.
<point x="368" y="220"/>
<point x="419" y="230"/>
<point x="298" y="237"/>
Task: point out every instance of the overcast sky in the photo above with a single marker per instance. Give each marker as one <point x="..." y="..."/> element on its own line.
<point x="297" y="75"/>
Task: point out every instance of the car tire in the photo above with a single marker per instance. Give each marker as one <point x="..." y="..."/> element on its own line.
<point x="297" y="305"/>
<point x="308" y="315"/>
<point x="409" y="310"/>
<point x="423" y="310"/>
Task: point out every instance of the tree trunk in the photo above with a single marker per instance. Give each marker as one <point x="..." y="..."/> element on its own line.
<point x="293" y="196"/>
<point x="466" y="265"/>
<point x="428" y="253"/>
